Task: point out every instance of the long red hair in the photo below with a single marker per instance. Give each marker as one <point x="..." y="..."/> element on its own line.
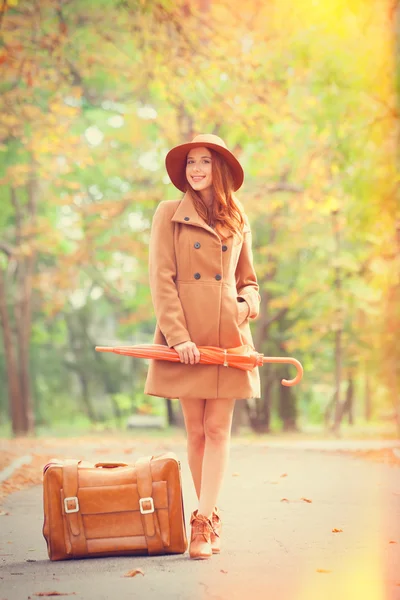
<point x="225" y="209"/>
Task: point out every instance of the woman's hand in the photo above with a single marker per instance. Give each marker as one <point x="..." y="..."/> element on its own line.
<point x="243" y="311"/>
<point x="188" y="352"/>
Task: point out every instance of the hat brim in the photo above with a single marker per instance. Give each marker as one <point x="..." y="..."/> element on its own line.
<point x="175" y="163"/>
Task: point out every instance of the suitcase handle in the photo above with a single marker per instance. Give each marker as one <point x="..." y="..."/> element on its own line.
<point x="111" y="465"/>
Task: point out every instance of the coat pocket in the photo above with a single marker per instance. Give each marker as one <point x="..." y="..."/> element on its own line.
<point x="241" y="309"/>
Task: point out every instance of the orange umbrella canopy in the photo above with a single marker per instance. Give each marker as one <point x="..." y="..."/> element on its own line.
<point x="241" y="357"/>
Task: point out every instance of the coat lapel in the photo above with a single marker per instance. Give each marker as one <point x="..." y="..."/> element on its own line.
<point x="186" y="208"/>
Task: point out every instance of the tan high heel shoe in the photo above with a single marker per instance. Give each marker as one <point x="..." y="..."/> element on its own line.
<point x="200" y="537"/>
<point x="216" y="534"/>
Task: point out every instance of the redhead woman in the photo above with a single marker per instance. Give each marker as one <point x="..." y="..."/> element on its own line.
<point x="205" y="293"/>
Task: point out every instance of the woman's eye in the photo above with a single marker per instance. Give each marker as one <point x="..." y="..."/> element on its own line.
<point x="190" y="162"/>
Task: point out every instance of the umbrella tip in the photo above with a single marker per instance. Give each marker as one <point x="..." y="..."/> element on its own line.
<point x="103" y="349"/>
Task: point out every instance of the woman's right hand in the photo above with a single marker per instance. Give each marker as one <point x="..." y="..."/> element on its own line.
<point x="188" y="352"/>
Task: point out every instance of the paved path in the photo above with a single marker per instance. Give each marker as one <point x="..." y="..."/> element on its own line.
<point x="272" y="549"/>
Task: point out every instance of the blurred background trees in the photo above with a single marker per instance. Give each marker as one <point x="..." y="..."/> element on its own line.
<point x="93" y="95"/>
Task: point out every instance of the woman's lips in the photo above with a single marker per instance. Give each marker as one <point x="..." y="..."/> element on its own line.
<point x="198" y="177"/>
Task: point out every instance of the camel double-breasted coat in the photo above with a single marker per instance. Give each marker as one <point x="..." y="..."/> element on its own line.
<point x="196" y="280"/>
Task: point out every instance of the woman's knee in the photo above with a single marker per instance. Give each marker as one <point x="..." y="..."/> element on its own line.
<point x="216" y="430"/>
<point x="196" y="434"/>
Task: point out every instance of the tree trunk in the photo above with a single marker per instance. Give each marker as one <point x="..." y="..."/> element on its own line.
<point x="13" y="382"/>
<point x="287" y="404"/>
<point x="170" y="412"/>
<point x="17" y="348"/>
<point x="338" y="324"/>
<point x="347" y="406"/>
<point x="23" y="304"/>
<point x="260" y="414"/>
<point x="350" y="400"/>
<point x="83" y="379"/>
<point x="79" y="365"/>
<point x="367" y="397"/>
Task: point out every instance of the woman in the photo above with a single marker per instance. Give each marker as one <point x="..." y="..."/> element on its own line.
<point x="204" y="291"/>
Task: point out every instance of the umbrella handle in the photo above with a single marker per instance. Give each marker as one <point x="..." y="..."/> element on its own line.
<point x="290" y="361"/>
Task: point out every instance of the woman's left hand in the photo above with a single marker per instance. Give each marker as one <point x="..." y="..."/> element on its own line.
<point x="244" y="310"/>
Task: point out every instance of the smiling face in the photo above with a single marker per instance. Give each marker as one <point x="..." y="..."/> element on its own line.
<point x="199" y="168"/>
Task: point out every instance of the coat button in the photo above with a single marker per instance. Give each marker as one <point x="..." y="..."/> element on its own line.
<point x="224" y="248"/>
<point x="197" y="245"/>
<point x="218" y="277"/>
<point x="186" y="218"/>
<point x="197" y="275"/>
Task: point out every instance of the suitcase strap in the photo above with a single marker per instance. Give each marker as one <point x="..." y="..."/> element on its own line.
<point x="71" y="507"/>
<point x="150" y="522"/>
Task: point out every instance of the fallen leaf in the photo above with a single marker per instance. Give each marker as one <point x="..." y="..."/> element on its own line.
<point x="223" y="571"/>
<point x="323" y="571"/>
<point x="284" y="475"/>
<point x="306" y="499"/>
<point x="55" y="594"/>
<point x="284" y="500"/>
<point x="134" y="572"/>
<point x="337" y="530"/>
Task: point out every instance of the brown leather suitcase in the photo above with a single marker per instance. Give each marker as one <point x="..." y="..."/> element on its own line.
<point x="113" y="509"/>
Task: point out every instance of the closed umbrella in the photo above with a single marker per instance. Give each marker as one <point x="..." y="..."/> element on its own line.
<point x="241" y="357"/>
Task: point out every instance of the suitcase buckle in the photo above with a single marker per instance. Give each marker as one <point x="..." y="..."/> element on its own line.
<point x="71" y="510"/>
<point x="145" y="511"/>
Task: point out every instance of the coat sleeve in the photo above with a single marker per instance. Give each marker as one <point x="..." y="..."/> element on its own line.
<point x="246" y="278"/>
<point x="162" y="274"/>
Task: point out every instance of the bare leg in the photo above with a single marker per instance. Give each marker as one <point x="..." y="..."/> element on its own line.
<point x="217" y="427"/>
<point x="193" y="413"/>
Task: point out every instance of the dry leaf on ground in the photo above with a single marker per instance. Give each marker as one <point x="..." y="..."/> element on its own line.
<point x="24" y="476"/>
<point x="337" y="530"/>
<point x="323" y="571"/>
<point x="284" y="500"/>
<point x="55" y="594"/>
<point x="306" y="500"/>
<point x="134" y="572"/>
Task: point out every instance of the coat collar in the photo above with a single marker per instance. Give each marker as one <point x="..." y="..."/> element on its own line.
<point x="186" y="208"/>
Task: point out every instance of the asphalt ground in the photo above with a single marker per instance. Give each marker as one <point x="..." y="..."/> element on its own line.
<point x="279" y="505"/>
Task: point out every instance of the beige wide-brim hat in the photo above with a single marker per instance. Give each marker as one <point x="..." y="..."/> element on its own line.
<point x="175" y="161"/>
